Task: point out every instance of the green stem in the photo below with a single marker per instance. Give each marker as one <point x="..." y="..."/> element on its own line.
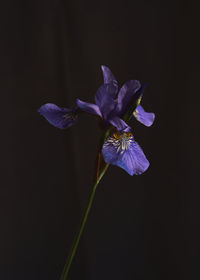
<point x="82" y="224"/>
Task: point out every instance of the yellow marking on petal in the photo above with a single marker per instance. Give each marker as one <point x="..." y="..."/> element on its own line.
<point x="139" y="100"/>
<point x="116" y="135"/>
<point x="135" y="112"/>
<point x="128" y="134"/>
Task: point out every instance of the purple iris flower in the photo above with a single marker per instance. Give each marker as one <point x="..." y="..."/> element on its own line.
<point x="111" y="106"/>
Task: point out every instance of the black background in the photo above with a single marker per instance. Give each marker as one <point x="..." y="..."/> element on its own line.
<point x="140" y="227"/>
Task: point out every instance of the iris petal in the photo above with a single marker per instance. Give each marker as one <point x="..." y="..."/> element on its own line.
<point x="88" y="107"/>
<point x="144" y="117"/>
<point x="105" y="90"/>
<point x="108" y="75"/>
<point x="126" y="93"/>
<point x="104" y="98"/>
<point x="125" y="153"/>
<point x="58" y="117"/>
<point x="119" y="124"/>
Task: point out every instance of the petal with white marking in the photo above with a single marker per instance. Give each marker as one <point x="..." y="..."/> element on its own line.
<point x="123" y="151"/>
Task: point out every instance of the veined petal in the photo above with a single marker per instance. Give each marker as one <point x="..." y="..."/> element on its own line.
<point x="88" y="107"/>
<point x="125" y="95"/>
<point x="123" y="151"/>
<point x="119" y="124"/>
<point x="108" y="75"/>
<point x="104" y="98"/>
<point x="144" y="117"/>
<point x="58" y="117"/>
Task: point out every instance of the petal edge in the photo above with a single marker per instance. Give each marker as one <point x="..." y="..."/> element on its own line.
<point x="108" y="75"/>
<point x="144" y="117"/>
<point x="88" y="107"/>
<point x="59" y="117"/>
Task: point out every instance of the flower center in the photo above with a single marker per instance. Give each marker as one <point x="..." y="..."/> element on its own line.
<point x="121" y="141"/>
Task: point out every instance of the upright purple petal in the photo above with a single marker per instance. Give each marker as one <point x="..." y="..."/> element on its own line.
<point x="104" y="98"/>
<point x="88" y="107"/>
<point x="119" y="124"/>
<point x="144" y="117"/>
<point x="123" y="151"/>
<point x="126" y="93"/>
<point x="108" y="75"/>
<point x="58" y="117"/>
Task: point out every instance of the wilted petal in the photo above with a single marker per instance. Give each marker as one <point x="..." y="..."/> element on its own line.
<point x="58" y="117"/>
<point x="108" y="75"/>
<point x="123" y="151"/>
<point x="144" y="117"/>
<point x="88" y="107"/>
<point x="119" y="124"/>
<point x="104" y="98"/>
<point x="126" y="93"/>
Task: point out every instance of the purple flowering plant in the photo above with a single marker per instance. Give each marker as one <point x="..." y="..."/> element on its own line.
<point x="117" y="144"/>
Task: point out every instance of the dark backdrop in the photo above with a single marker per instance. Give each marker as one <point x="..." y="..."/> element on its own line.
<point x="140" y="227"/>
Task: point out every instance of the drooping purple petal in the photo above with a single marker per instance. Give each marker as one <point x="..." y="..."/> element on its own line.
<point x="88" y="107"/>
<point x="119" y="124"/>
<point x="58" y="117"/>
<point x="124" y="152"/>
<point x="108" y="75"/>
<point x="125" y="95"/>
<point x="104" y="98"/>
<point x="144" y="117"/>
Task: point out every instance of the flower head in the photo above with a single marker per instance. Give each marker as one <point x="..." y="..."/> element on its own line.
<point x="115" y="109"/>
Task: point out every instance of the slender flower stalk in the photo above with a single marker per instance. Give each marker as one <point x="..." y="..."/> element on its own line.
<point x="99" y="172"/>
